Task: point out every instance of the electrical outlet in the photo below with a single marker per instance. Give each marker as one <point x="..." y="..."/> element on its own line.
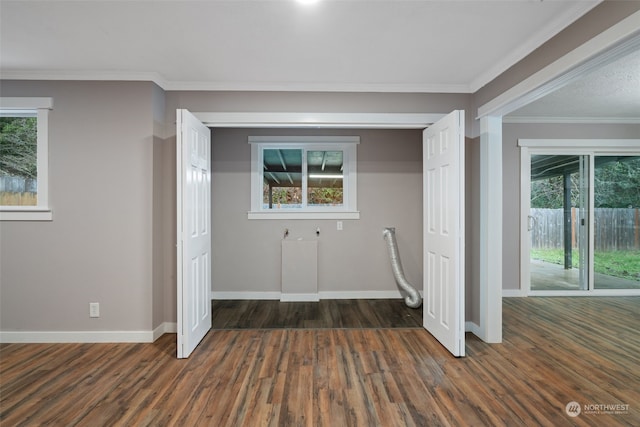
<point x="339" y="225"/>
<point x="94" y="309"/>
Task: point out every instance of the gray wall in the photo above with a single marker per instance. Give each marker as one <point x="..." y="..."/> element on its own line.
<point x="342" y="103"/>
<point x="112" y="168"/>
<point x="112" y="175"/>
<point x="511" y="183"/>
<point x="246" y="253"/>
<point x="98" y="248"/>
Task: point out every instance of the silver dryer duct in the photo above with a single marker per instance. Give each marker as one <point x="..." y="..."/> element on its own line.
<point x="413" y="298"/>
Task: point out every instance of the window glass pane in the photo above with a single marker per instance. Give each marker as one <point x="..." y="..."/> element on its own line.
<point x="325" y="178"/>
<point x="558" y="223"/>
<point x="18" y="165"/>
<point x="616" y="257"/>
<point x="282" y="178"/>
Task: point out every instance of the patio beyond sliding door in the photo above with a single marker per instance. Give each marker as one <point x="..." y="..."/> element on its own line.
<point x="616" y="234"/>
<point x="558" y="222"/>
<point x="580" y="223"/>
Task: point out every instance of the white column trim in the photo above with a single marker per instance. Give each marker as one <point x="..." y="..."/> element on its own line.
<point x="491" y="229"/>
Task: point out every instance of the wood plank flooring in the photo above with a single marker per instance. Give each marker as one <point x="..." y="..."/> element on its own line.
<point x="555" y="350"/>
<point x="364" y="313"/>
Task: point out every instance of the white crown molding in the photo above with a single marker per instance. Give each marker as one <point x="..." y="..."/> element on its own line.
<point x="317" y="87"/>
<point x="571" y="120"/>
<point x="89" y="75"/>
<point x="549" y="31"/>
<point x="168" y="85"/>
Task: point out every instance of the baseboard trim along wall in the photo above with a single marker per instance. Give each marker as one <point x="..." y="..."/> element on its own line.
<point x="87" y="336"/>
<point x="321" y="295"/>
<point x="171" y="327"/>
<point x="288" y="297"/>
<point x="472" y="327"/>
<point x="511" y="293"/>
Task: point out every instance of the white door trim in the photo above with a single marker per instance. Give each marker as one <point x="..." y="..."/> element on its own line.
<point x="324" y="120"/>
<point x="491" y="299"/>
<point x="491" y="229"/>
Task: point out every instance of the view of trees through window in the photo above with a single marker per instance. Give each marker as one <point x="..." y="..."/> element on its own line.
<point x="18" y="161"/>
<point x="616" y="220"/>
<point x="618" y="184"/>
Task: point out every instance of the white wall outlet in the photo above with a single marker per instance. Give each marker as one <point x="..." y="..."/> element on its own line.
<point x="94" y="309"/>
<point x="339" y="225"/>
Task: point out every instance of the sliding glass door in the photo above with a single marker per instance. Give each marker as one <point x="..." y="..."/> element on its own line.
<point x="558" y="222"/>
<point x="581" y="217"/>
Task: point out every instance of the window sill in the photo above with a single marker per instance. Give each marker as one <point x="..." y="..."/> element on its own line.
<point x="22" y="214"/>
<point x="303" y="215"/>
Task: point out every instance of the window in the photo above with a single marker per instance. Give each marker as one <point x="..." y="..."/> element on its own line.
<point x="303" y="177"/>
<point x="24" y="159"/>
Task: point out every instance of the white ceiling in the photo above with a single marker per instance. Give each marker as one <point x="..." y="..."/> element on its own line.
<point x="608" y="94"/>
<point x="333" y="45"/>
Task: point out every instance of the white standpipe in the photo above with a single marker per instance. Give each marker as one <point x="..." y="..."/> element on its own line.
<point x="413" y="298"/>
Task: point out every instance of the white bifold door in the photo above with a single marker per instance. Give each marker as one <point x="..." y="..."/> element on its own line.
<point x="443" y="188"/>
<point x="193" y="148"/>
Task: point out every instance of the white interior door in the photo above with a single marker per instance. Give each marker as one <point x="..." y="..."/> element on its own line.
<point x="194" y="231"/>
<point x="443" y="188"/>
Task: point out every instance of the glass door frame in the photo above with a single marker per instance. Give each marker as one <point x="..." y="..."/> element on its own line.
<point x="587" y="147"/>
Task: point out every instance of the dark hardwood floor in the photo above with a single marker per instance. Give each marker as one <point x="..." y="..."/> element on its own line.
<point x="365" y="313"/>
<point x="555" y="351"/>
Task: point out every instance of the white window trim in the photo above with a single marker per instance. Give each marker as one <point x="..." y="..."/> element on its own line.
<point x="346" y="143"/>
<point x="41" y="212"/>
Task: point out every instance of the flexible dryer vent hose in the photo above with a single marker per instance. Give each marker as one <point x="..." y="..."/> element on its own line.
<point x="413" y="298"/>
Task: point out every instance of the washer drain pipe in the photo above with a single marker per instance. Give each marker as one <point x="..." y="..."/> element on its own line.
<point x="413" y="298"/>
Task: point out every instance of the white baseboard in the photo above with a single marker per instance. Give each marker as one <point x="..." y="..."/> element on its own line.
<point x="165" y="328"/>
<point x="62" y="337"/>
<point x="321" y="295"/>
<point x="472" y="327"/>
<point x="76" y="336"/>
<point x="512" y="293"/>
<point x="361" y="295"/>
<point x="288" y="297"/>
<point x="245" y="295"/>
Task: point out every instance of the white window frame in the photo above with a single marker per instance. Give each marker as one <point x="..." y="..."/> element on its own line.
<point x="582" y="147"/>
<point x="16" y="107"/>
<point x="346" y="144"/>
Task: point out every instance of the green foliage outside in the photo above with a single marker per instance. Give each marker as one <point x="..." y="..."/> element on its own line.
<point x="623" y="264"/>
<point x="18" y="146"/>
<point x="325" y="196"/>
<point x="292" y="196"/>
<point x="617" y="185"/>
